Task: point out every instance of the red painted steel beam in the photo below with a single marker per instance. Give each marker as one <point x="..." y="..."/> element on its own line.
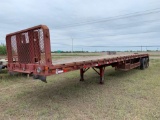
<point x="39" y="61"/>
<point x="102" y="69"/>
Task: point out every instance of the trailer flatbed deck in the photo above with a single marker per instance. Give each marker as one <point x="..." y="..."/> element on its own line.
<point x="29" y="52"/>
<point x="86" y="58"/>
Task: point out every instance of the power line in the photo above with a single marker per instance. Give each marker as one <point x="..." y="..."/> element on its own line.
<point x="113" y="18"/>
<point x="112" y="35"/>
<point x="110" y="46"/>
<point x="126" y="46"/>
<point x="148" y="21"/>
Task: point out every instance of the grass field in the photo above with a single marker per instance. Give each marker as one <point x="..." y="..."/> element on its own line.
<point x="132" y="95"/>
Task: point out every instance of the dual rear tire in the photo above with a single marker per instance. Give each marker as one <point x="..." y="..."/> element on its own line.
<point x="144" y="63"/>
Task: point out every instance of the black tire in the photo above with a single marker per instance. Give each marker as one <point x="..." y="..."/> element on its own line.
<point x="147" y="63"/>
<point x="142" y="63"/>
<point x="4" y="66"/>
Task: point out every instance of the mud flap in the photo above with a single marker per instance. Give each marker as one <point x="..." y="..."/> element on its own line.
<point x="40" y="77"/>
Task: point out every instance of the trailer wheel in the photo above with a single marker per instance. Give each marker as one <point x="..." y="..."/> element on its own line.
<point x="147" y="63"/>
<point x="142" y="64"/>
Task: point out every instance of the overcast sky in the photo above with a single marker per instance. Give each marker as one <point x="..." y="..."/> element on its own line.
<point x="87" y="22"/>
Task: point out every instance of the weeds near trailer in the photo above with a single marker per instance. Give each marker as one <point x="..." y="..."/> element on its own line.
<point x="125" y="95"/>
<point x="7" y="79"/>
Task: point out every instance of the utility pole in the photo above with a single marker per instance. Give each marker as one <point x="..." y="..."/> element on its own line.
<point x="141" y="48"/>
<point x="72" y="45"/>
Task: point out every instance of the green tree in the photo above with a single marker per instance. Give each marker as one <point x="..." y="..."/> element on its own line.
<point x="3" y="50"/>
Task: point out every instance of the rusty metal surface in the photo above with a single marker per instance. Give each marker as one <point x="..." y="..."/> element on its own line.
<point x="99" y="62"/>
<point x="87" y="58"/>
<point x="29" y="52"/>
<point x="29" y="46"/>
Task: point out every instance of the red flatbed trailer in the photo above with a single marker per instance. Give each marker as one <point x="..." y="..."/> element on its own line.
<point x="29" y="52"/>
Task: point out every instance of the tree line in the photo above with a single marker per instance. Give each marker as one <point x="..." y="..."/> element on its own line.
<point x="3" y="50"/>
